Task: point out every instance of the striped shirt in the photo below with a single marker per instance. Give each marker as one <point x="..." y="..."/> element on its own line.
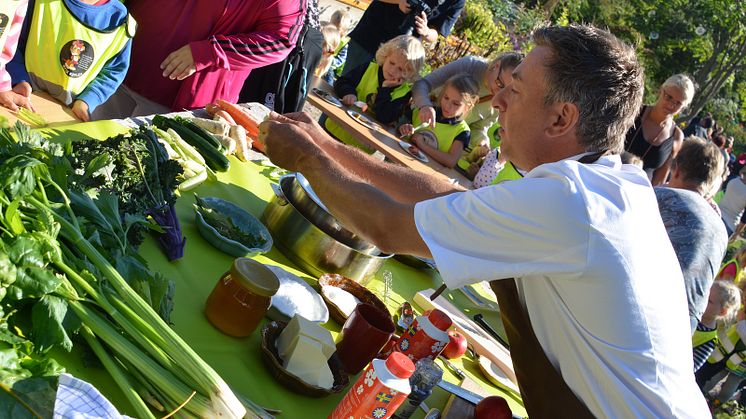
<point x="703" y="351"/>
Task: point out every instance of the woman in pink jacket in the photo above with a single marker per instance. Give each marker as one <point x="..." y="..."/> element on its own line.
<point x="12" y="13"/>
<point x="188" y="53"/>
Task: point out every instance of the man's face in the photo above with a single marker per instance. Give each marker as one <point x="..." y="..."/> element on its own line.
<point x="523" y="115"/>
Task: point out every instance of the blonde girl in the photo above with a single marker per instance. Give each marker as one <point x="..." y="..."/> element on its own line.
<point x="328" y="47"/>
<point x="446" y="141"/>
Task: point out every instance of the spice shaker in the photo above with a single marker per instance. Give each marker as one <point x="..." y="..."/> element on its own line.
<point x="426" y="375"/>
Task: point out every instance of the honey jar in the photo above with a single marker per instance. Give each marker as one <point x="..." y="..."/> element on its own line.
<point x="241" y="297"/>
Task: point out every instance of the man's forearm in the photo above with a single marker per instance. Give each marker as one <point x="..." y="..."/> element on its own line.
<point x="401" y="183"/>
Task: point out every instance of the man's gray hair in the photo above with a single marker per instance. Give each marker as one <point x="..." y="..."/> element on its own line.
<point x="700" y="163"/>
<point x="599" y="74"/>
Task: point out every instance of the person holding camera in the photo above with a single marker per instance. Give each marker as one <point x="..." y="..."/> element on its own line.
<point x="384" y="20"/>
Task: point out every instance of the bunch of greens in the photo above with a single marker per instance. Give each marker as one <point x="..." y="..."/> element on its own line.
<point x="58" y="278"/>
<point x="137" y="169"/>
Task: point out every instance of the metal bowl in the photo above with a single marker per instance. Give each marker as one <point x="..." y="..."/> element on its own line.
<point x="308" y="203"/>
<point x="315" y="250"/>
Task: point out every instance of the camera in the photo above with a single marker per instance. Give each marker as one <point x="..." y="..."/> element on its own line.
<point x="416" y="7"/>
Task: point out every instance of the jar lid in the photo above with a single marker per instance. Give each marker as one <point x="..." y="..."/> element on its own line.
<point x="439" y="319"/>
<point x="255" y="277"/>
<point x="400" y="365"/>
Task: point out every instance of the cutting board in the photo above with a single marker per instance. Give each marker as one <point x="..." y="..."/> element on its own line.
<point x="54" y="112"/>
<point x="458" y="408"/>
<point x="483" y="344"/>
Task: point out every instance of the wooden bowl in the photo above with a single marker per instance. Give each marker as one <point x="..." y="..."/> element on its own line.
<point x="354" y="288"/>
<point x="270" y="333"/>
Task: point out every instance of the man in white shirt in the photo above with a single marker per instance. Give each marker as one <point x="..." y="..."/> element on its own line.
<point x="595" y="271"/>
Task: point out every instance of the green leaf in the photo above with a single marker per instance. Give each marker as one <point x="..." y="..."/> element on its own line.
<point x="47" y="316"/>
<point x="19" y="173"/>
<point x="33" y="282"/>
<point x="13" y="218"/>
<point x="38" y="393"/>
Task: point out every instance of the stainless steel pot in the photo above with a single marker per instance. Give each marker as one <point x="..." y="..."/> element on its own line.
<point x="305" y="200"/>
<point x="313" y="249"/>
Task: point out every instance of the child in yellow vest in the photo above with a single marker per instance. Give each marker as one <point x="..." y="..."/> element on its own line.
<point x="84" y="59"/>
<point x="331" y="42"/>
<point x="342" y="19"/>
<point x="722" y="305"/>
<point x="384" y="85"/>
<point x="446" y="141"/>
<point x="12" y="13"/>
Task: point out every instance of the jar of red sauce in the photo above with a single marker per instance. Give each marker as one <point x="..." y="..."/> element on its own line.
<point x="241" y="297"/>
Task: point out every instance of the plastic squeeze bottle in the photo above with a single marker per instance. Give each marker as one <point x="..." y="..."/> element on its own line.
<point x="426" y="337"/>
<point x="379" y="390"/>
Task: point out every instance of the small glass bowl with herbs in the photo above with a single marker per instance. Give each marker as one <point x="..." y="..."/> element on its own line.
<point x="230" y="228"/>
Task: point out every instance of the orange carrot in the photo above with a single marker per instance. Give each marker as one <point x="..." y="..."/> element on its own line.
<point x="225" y="116"/>
<point x="245" y="120"/>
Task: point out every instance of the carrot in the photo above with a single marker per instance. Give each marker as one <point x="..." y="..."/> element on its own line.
<point x="245" y="120"/>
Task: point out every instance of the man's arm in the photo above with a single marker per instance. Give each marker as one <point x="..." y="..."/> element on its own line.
<point x="401" y="183"/>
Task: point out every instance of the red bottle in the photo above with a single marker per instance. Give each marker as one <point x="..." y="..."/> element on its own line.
<point x="426" y="337"/>
<point x="379" y="390"/>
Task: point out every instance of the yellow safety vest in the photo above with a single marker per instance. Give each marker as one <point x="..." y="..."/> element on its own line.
<point x="65" y="60"/>
<point x="508" y="172"/>
<point x="700" y="337"/>
<point x="8" y="10"/>
<point x="729" y="345"/>
<point x="342" y="42"/>
<point x="443" y="133"/>
<point x="367" y="86"/>
<point x="464" y="162"/>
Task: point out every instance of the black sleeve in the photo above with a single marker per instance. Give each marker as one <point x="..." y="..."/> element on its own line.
<point x="464" y="137"/>
<point x="347" y="83"/>
<point x="448" y="14"/>
<point x="388" y="111"/>
<point x="743" y="216"/>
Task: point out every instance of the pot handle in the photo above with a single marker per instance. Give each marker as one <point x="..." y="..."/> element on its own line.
<point x="281" y="199"/>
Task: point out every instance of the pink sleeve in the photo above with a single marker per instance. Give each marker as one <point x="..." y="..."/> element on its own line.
<point x="275" y="32"/>
<point x="11" y="43"/>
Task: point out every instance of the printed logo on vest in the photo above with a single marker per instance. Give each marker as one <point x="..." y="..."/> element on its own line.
<point x="429" y="138"/>
<point x="4" y="19"/>
<point x="76" y="58"/>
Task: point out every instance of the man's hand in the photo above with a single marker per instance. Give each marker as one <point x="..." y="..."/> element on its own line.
<point x="404" y="6"/>
<point x="179" y="64"/>
<point x="287" y="140"/>
<point x="349" y="100"/>
<point x="427" y="114"/>
<point x="80" y="109"/>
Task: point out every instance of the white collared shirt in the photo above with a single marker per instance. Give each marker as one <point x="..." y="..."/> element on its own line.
<point x="594" y="268"/>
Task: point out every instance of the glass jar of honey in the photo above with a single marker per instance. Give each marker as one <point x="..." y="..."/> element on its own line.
<point x="241" y="297"/>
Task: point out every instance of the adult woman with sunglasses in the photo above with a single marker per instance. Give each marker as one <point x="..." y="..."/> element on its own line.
<point x="492" y="77"/>
<point x="654" y="137"/>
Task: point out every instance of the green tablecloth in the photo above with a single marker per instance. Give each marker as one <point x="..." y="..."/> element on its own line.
<point x="238" y="361"/>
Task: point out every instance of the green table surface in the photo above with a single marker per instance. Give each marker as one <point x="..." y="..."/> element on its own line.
<point x="238" y="361"/>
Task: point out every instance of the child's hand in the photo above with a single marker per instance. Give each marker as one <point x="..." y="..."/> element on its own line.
<point x="406" y="130"/>
<point x="392" y="82"/>
<point x="80" y="109"/>
<point x="349" y="99"/>
<point x="23" y="88"/>
<point x="13" y="100"/>
<point x="179" y="64"/>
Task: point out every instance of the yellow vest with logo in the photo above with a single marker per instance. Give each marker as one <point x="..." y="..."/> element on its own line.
<point x="65" y="60"/>
<point x="701" y="337"/>
<point x="729" y="345"/>
<point x="7" y="13"/>
<point x="367" y="86"/>
<point x="444" y="133"/>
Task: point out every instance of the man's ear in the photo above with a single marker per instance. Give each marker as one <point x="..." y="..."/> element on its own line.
<point x="564" y="118"/>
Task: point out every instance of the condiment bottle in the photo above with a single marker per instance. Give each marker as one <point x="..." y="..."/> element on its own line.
<point x="426" y="375"/>
<point x="379" y="390"/>
<point x="426" y="337"/>
<point x="241" y="297"/>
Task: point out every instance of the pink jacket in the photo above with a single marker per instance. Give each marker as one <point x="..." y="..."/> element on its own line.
<point x="8" y="49"/>
<point x="228" y="39"/>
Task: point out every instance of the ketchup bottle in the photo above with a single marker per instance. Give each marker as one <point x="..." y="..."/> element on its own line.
<point x="378" y="392"/>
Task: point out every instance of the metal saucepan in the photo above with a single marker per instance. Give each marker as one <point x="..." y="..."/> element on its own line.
<point x="308" y="203"/>
<point x="313" y="249"/>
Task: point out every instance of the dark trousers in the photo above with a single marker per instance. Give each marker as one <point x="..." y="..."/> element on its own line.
<point x="283" y="86"/>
